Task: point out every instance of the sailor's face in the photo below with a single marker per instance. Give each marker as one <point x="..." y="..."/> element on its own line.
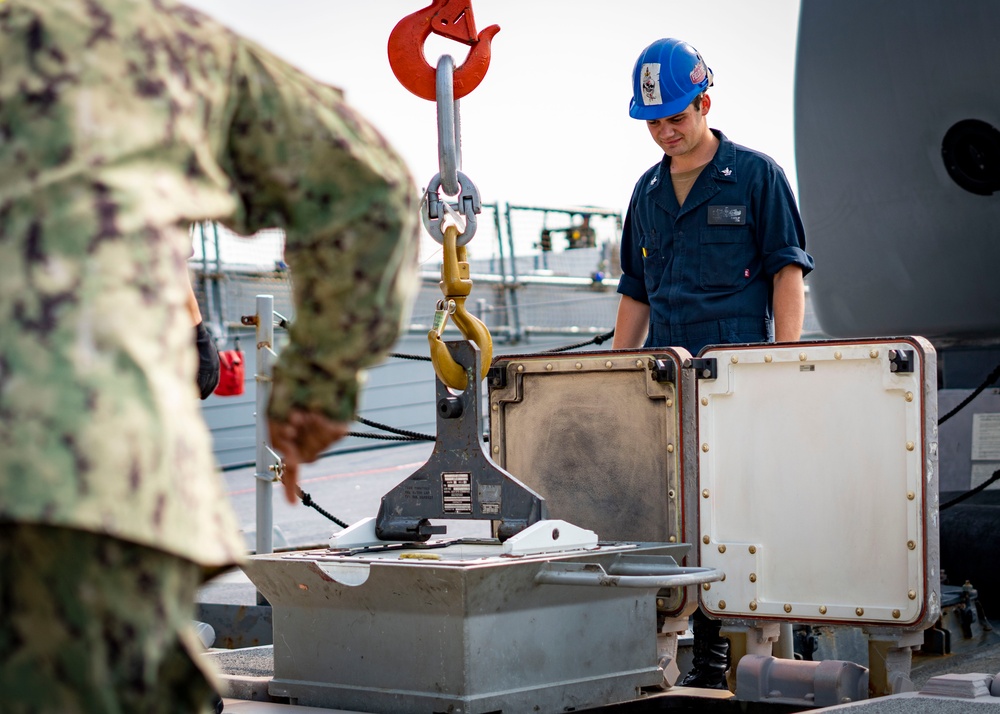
<point x="679" y="134"/>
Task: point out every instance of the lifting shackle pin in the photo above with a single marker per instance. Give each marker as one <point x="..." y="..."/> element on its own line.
<point x="448" y="18"/>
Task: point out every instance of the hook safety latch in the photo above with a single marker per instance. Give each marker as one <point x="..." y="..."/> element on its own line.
<point x="448" y="18"/>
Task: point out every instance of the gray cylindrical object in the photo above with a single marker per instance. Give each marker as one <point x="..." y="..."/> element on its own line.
<point x="768" y="679"/>
<point x="900" y="246"/>
<point x="265" y="342"/>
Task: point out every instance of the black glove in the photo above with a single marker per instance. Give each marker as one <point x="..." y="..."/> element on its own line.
<point x="208" y="361"/>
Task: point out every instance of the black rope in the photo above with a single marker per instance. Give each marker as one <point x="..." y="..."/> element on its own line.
<point x="600" y="339"/>
<point x="973" y="492"/>
<point x="419" y="358"/>
<point x="404" y="435"/>
<point x="383" y="437"/>
<point x="307" y="500"/>
<point x="991" y="379"/>
<point x="412" y="435"/>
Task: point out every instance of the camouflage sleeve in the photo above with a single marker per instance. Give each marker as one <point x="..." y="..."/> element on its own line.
<point x="302" y="159"/>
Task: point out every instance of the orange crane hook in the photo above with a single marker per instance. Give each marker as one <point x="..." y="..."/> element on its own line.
<point x="449" y="18"/>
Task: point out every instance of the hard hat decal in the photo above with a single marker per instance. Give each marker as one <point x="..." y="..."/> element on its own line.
<point x="699" y="72"/>
<point x="651" y="84"/>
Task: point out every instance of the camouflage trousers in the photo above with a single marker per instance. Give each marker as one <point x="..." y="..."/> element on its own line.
<point x="93" y="625"/>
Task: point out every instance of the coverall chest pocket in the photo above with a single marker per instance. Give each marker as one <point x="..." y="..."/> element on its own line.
<point x="652" y="261"/>
<point x="726" y="257"/>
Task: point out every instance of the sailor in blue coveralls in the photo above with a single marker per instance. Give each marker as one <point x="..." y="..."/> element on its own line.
<point x="713" y="249"/>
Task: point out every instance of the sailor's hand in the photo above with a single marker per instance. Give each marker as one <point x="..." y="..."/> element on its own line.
<point x="301" y="439"/>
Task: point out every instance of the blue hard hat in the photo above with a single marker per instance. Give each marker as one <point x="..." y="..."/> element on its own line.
<point x="667" y="77"/>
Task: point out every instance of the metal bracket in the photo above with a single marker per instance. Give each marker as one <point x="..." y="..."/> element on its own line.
<point x="459" y="481"/>
<point x="890" y="659"/>
<point x="662" y="370"/>
<point x="900" y="361"/>
<point x="497" y="376"/>
<point x="550" y="537"/>
<point x="705" y="368"/>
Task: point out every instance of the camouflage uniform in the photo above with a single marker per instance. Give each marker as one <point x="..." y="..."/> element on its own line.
<point x="121" y="122"/>
<point x="76" y="636"/>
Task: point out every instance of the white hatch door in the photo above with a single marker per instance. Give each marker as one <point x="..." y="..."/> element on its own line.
<point x="818" y="482"/>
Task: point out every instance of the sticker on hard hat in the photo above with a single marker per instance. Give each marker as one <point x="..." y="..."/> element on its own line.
<point x="651" y="84"/>
<point x="699" y="72"/>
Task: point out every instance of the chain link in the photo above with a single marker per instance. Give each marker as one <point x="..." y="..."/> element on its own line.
<point x="450" y="177"/>
<point x="449" y="132"/>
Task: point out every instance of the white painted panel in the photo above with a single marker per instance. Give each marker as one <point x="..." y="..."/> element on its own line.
<point x="812" y="465"/>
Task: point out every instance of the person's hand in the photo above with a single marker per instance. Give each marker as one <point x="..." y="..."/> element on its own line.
<point x="301" y="439"/>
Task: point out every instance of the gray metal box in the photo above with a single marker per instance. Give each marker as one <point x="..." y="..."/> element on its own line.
<point x="472" y="631"/>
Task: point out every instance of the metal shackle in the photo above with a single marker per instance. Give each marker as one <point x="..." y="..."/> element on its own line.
<point x="468" y="204"/>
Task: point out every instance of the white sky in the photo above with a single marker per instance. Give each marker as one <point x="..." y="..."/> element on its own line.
<point x="549" y="125"/>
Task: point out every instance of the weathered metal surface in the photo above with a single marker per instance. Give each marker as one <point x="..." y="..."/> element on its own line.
<point x="237" y="626"/>
<point x="599" y="435"/>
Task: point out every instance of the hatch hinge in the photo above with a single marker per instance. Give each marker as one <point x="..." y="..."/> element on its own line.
<point x="704" y="367"/>
<point x="900" y="361"/>
<point x="662" y="370"/>
<point x="497" y="376"/>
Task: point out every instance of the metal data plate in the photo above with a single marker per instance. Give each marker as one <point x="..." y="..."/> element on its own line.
<point x="818" y="489"/>
<point x="597" y="435"/>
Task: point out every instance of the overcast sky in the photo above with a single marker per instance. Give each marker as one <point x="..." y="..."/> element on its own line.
<point x="549" y="125"/>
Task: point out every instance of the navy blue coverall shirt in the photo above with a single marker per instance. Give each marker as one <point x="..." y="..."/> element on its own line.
<point x="706" y="269"/>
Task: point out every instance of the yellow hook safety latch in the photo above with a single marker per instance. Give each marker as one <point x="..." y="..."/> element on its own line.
<point x="456" y="286"/>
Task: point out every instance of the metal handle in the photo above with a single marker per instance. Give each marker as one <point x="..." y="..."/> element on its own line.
<point x="627" y="575"/>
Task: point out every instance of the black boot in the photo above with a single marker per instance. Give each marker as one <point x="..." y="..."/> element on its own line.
<point x="711" y="655"/>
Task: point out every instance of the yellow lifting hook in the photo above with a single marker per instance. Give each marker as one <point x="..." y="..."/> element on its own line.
<point x="456" y="286"/>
